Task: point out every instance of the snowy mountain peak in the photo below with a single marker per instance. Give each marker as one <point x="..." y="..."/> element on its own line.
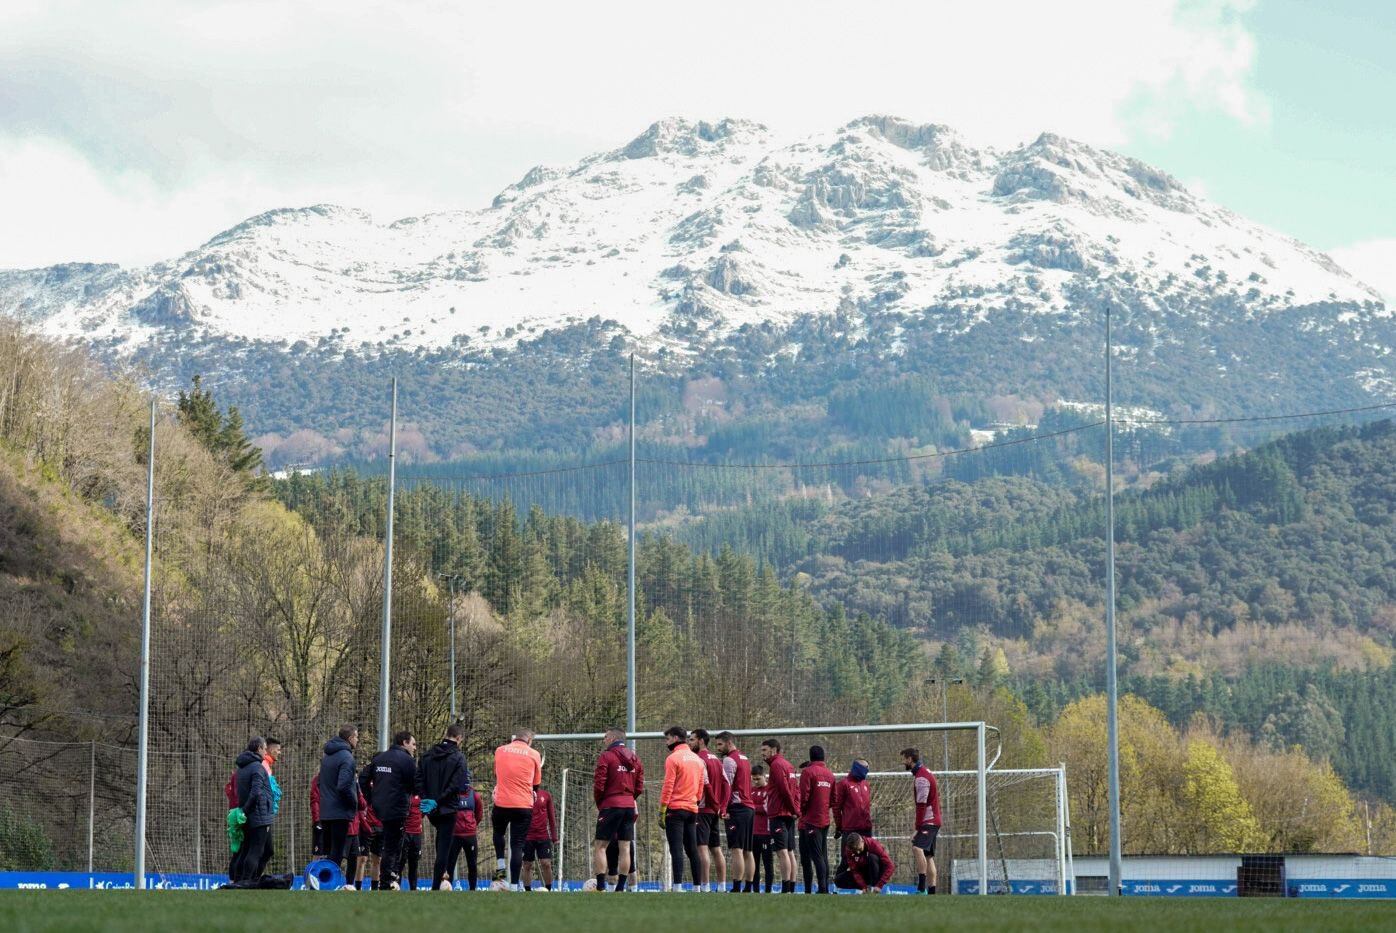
<point x="693" y="229"/>
<point x="689" y="138"/>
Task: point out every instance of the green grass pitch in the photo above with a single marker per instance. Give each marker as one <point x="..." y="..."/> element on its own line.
<point x="287" y="911"/>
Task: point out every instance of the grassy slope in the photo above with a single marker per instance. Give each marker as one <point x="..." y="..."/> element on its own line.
<point x="260" y="911"/>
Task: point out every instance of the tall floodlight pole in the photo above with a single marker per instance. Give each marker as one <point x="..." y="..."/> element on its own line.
<point x="143" y="741"/>
<point x="386" y="655"/>
<point x="630" y="576"/>
<point x="451" y="579"/>
<point x="1112" y="692"/>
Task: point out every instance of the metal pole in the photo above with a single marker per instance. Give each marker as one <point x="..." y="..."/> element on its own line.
<point x="143" y="740"/>
<point x="386" y="652"/>
<point x="451" y="611"/>
<point x="630" y="579"/>
<point x="91" y="803"/>
<point x="1112" y="696"/>
<point x="1061" y="830"/>
<point x="198" y="812"/>
<point x="562" y="837"/>
<point x="983" y="800"/>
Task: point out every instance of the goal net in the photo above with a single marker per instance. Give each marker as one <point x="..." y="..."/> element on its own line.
<point x="1018" y="844"/>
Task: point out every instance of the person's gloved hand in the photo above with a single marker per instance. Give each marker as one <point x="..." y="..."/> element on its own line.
<point x="663" y="814"/>
<point x="428" y="806"/>
<point x="838" y="834"/>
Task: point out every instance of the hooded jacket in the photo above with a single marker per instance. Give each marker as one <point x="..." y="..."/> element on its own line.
<point x="816" y="788"/>
<point x="619" y="778"/>
<point x="444" y="776"/>
<point x="860" y="865"/>
<point x="254" y="792"/>
<point x="467" y="815"/>
<point x="852" y="807"/>
<point x="339" y="795"/>
<point x="784" y="799"/>
<point x="388" y="781"/>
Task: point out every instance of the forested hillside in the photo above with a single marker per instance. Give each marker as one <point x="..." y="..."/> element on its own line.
<point x="268" y="613"/>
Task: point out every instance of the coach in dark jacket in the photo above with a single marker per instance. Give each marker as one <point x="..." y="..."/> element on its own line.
<point x="389" y="782"/>
<point x="254" y="799"/>
<point x="339" y="793"/>
<point x="445" y="781"/>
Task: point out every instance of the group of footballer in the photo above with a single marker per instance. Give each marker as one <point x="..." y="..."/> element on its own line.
<point x="371" y="821"/>
<point x="769" y="812"/>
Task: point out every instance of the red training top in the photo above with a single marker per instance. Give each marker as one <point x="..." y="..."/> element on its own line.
<point x="784" y="799"/>
<point x="412" y="826"/>
<point x="359" y="816"/>
<point x="543" y="826"/>
<point x="467" y="821"/>
<point x="927" y="796"/>
<point x="853" y="807"/>
<point x="716" y="790"/>
<point x="230" y="790"/>
<point x="760" y="824"/>
<point x="736" y="770"/>
<point x="858" y="862"/>
<point x="816" y="788"/>
<point x="619" y="778"/>
<point x="315" y="799"/>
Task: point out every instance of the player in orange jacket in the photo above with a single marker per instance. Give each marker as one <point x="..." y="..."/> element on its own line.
<point x="678" y="802"/>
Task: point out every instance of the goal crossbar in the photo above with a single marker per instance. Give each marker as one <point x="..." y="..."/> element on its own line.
<point x="982" y="761"/>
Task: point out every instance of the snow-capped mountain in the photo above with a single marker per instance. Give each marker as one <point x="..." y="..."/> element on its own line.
<point x="709" y="225"/>
<point x="772" y="273"/>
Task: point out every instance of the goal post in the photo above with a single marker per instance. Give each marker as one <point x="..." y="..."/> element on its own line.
<point x="574" y="753"/>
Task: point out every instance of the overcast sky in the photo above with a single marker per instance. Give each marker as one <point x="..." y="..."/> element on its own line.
<point x="132" y="131"/>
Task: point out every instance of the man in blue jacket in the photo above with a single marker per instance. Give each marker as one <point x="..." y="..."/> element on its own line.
<point x="339" y="792"/>
<point x="389" y="781"/>
<point x="255" y="801"/>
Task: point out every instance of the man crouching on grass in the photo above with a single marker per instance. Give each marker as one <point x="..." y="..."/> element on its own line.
<point x="866" y="865"/>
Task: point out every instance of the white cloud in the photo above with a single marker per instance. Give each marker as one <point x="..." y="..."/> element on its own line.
<point x="1372" y="262"/>
<point x="132" y="131"/>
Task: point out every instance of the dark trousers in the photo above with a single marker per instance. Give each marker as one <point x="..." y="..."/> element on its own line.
<point x="267" y="852"/>
<point x="681" y="829"/>
<point x="317" y="839"/>
<point x="849" y="877"/>
<point x="765" y="858"/>
<point x="333" y="836"/>
<point x="814" y="857"/>
<point x="391" y="866"/>
<point x="513" y="821"/>
<point x="445" y="825"/>
<point x="470" y="847"/>
<point x="254" y="841"/>
<point x="412" y="850"/>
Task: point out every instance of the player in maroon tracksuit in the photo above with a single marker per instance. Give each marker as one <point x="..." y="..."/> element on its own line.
<point x="816" y="790"/>
<point x="464" y="837"/>
<point x="317" y="837"/>
<point x="412" y="839"/>
<point x="736" y="771"/>
<point x="538" y="843"/>
<point x="852" y="802"/>
<point x="761" y="830"/>
<point x="711" y="806"/>
<point x="618" y="780"/>
<point x="927" y="824"/>
<point x="867" y="866"/>
<point x="782" y="809"/>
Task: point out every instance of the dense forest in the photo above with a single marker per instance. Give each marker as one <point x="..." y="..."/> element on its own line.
<point x="268" y="601"/>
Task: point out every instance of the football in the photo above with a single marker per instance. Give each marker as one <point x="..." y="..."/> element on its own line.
<point x="589" y="884"/>
<point x="499" y="886"/>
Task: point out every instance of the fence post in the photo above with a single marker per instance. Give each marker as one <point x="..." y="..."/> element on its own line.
<point x="198" y="815"/>
<point x="91" y="801"/>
